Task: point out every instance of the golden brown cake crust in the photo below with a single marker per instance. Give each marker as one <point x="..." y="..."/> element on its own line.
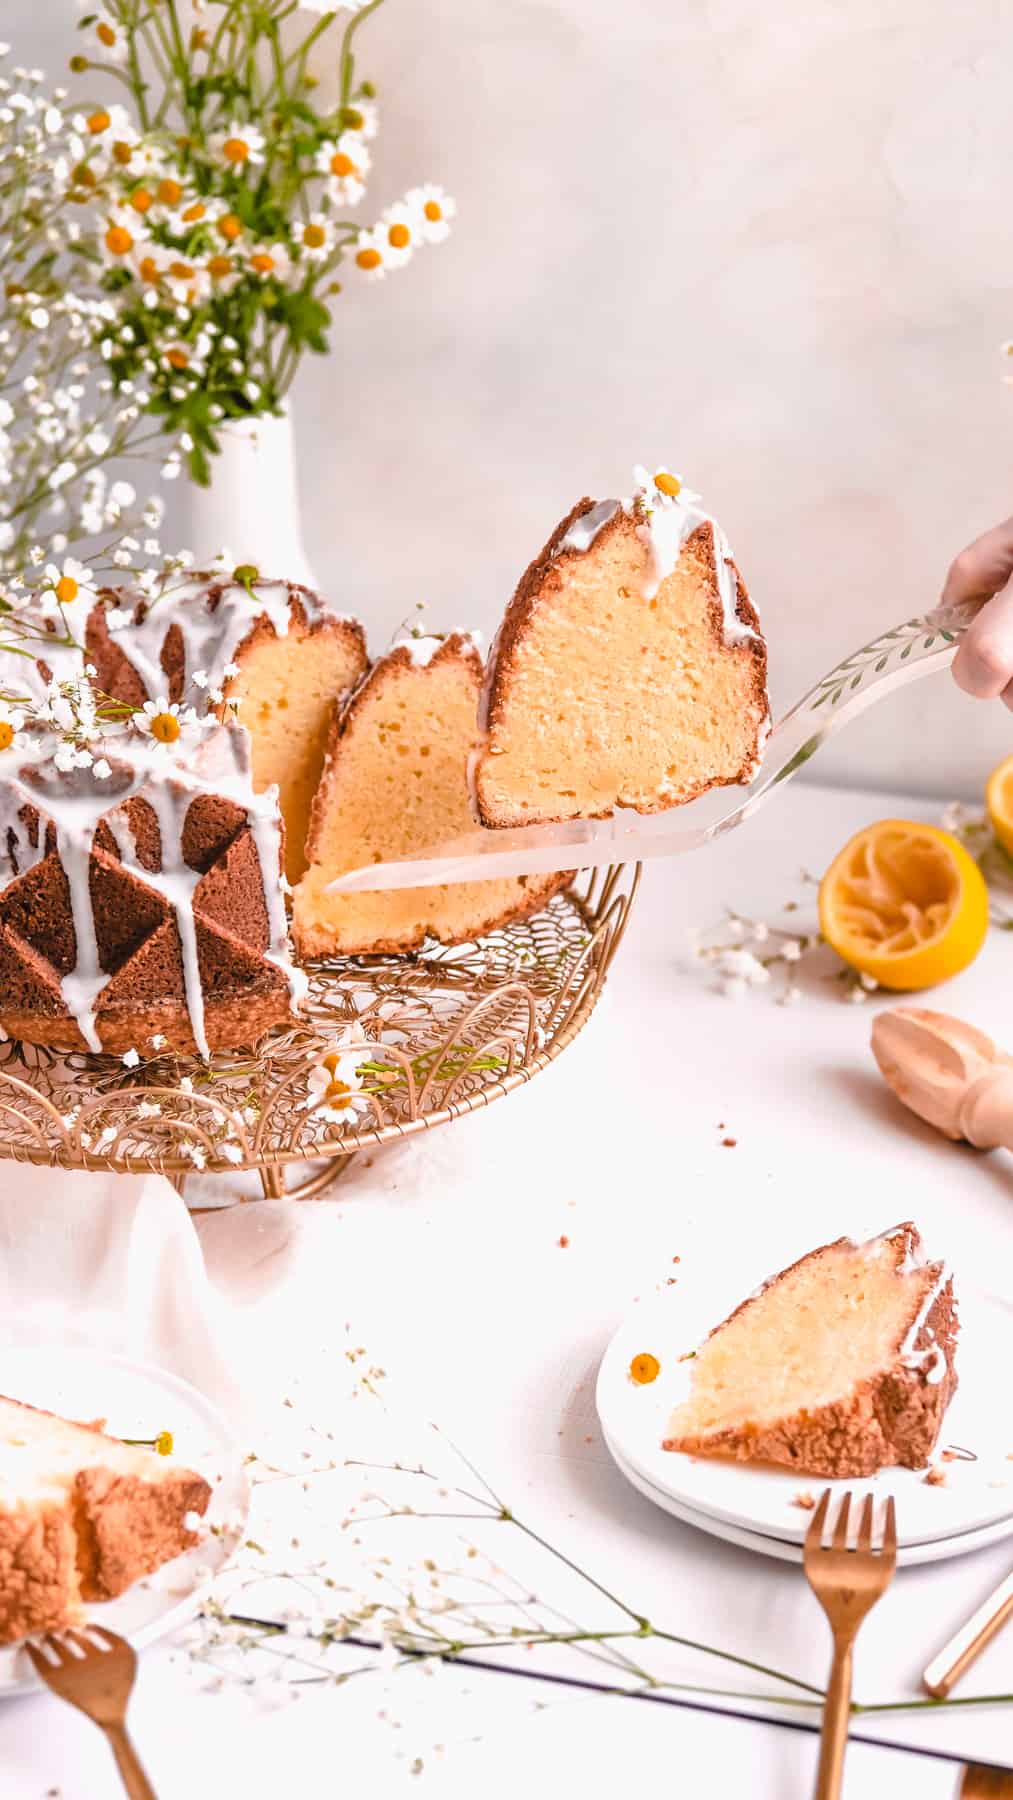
<point x="38" y="1577"/>
<point x="892" y="1418"/>
<point x="543" y="579"/>
<point x="459" y="648"/>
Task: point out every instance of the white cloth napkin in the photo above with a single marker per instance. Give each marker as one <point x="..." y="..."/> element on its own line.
<point x="113" y="1262"/>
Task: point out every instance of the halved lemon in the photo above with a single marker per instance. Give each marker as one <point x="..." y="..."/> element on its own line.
<point x="904" y="903"/>
<point x="999" y="803"/>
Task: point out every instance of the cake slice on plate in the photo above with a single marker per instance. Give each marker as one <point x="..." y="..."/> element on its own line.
<point x="395" y="783"/>
<point x="82" y="1517"/>
<point x="629" y="669"/>
<point x="841" y="1365"/>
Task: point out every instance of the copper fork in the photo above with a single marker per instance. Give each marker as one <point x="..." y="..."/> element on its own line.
<point x="847" y="1584"/>
<point x="97" y="1679"/>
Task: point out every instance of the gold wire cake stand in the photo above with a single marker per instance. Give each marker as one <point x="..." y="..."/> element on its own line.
<point x="446" y="1031"/>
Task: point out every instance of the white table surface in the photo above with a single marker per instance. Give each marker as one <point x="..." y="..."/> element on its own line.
<point x="442" y="1258"/>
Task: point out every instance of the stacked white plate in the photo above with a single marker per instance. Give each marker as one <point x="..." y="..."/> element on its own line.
<point x="766" y="1509"/>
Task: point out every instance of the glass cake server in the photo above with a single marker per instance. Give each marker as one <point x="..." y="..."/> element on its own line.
<point x="917" y="647"/>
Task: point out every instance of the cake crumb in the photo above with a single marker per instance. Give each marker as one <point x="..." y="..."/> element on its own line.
<point x="804" y="1499"/>
<point x="935" y="1476"/>
<point x="564" y="1242"/>
<point x="729" y="1143"/>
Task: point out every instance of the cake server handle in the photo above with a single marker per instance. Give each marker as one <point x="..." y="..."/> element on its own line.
<point x="891" y="661"/>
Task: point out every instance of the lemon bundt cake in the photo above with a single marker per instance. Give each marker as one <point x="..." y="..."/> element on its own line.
<point x="629" y="669"/>
<point x="841" y="1365"/>
<point x="395" y="783"/>
<point x="270" y="647"/>
<point x="82" y="1516"/>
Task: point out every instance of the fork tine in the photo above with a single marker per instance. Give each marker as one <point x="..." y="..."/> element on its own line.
<point x="865" y="1525"/>
<point x="839" y="1540"/>
<point x="79" y="1642"/>
<point x="890" y="1530"/>
<point x="57" y="1647"/>
<point x="107" y="1638"/>
<point x="814" y="1535"/>
<point x="39" y="1662"/>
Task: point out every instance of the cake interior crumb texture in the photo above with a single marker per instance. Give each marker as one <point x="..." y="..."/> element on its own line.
<point x="602" y="693"/>
<point x="82" y="1517"/>
<point x="288" y="689"/>
<point x="396" y="784"/>
<point x="815" y="1370"/>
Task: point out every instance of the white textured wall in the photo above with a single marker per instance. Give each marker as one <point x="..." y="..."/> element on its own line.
<point x="769" y="244"/>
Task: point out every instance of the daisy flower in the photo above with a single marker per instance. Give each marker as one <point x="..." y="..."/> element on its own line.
<point x="111" y="39"/>
<point x="238" y="145"/>
<point x="436" y="208"/>
<point x="315" y="237"/>
<point x="124" y="236"/>
<point x="401" y="230"/>
<point x="70" y="582"/>
<point x="270" y="260"/>
<point x="372" y="254"/>
<point x="10" y="724"/>
<point x="163" y="719"/>
<point x="361" y="120"/>
<point x="662" y="488"/>
<point x="345" y="162"/>
<point x="334" y="1086"/>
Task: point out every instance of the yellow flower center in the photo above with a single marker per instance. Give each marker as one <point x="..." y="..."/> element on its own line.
<point x="219" y="266"/>
<point x="196" y="211"/>
<point x="433" y="210"/>
<point x="177" y="359"/>
<point x="263" y="262"/>
<point x="105" y="34"/>
<point x="169" y="192"/>
<point x="99" y="121"/>
<point x="66" y="590"/>
<point x="141" y="200"/>
<point x="644" y="1368"/>
<point x="314" y="237"/>
<point x="6" y="734"/>
<point x="337" y="1093"/>
<point x="181" y="271"/>
<point x="353" y="118"/>
<point x="399" y="236"/>
<point x="118" y="240"/>
<point x="667" y="484"/>
<point x="163" y="1443"/>
<point x="149" y="270"/>
<point x="342" y="164"/>
<point x="369" y="259"/>
<point x="122" y="152"/>
<point x="84" y="177"/>
<point x="165" y="727"/>
<point x="235" y="150"/>
<point x="230" y="227"/>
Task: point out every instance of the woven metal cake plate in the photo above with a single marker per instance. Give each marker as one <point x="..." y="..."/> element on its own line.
<point x="447" y="1030"/>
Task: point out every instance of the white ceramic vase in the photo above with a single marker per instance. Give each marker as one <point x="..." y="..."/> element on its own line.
<point x="252" y="505"/>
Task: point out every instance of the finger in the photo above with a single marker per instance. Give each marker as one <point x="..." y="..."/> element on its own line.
<point x="983" y="664"/>
<point x="982" y="569"/>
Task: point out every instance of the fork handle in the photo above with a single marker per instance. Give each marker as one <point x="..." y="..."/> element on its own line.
<point x="836" y="1717"/>
<point x="132" y="1775"/>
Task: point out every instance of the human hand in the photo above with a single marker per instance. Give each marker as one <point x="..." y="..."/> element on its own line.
<point x="983" y="665"/>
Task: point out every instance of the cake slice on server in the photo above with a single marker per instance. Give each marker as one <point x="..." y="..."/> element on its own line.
<point x="396" y="782"/>
<point x="840" y="1365"/>
<point x="629" y="669"/>
<point x="82" y="1517"/>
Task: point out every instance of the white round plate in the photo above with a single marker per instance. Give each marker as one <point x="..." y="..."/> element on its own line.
<point x="939" y="1550"/>
<point x="137" y="1400"/>
<point x="761" y="1499"/>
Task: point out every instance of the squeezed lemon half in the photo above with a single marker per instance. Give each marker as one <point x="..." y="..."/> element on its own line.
<point x="905" y="903"/>
<point x="999" y="803"/>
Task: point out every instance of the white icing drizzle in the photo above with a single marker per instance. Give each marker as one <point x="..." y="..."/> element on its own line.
<point x="929" y="1358"/>
<point x="76" y="802"/>
<point x="211" y="633"/>
<point x="423" y="649"/>
<point x="665" y="521"/>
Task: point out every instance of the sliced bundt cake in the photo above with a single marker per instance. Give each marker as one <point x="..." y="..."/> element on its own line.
<point x="396" y="782"/>
<point x="841" y="1365"/>
<point x="82" y="1516"/>
<point x="140" y="895"/>
<point x="272" y="647"/>
<point x="629" y="669"/>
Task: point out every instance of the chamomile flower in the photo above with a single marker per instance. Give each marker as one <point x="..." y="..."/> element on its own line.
<point x="435" y="208"/>
<point x="11" y="721"/>
<point x="124" y="237"/>
<point x="109" y="36"/>
<point x="240" y="145"/>
<point x="70" y="582"/>
<point x="269" y="261"/>
<point x="371" y="253"/>
<point x="402" y="234"/>
<point x="361" y="120"/>
<point x="345" y="161"/>
<point x="163" y="719"/>
<point x="315" y="238"/>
